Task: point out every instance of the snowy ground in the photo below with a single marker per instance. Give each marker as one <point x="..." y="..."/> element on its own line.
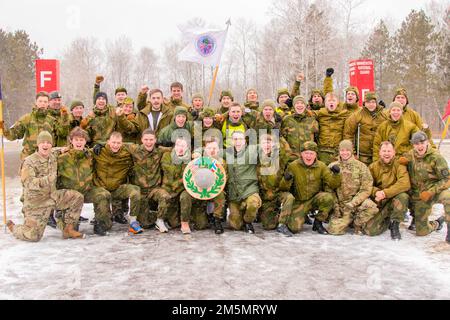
<point x="230" y="266"/>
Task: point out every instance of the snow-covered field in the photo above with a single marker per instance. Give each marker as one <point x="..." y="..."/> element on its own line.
<point x="230" y="266"/>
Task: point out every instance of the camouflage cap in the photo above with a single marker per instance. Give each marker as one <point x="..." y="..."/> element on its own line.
<point x="370" y="96"/>
<point x="419" y="136"/>
<point x="226" y="93"/>
<point x="207" y="113"/>
<point x="44" y="136"/>
<point x="346" y="145"/>
<point x="395" y="105"/>
<point x="400" y="91"/>
<point x="197" y="96"/>
<point x="297" y="99"/>
<point x="76" y="103"/>
<point x="180" y="110"/>
<point x="282" y="91"/>
<point x="101" y="94"/>
<point x="54" y="95"/>
<point x="316" y="91"/>
<point x="309" y="146"/>
<point x="128" y="100"/>
<point x="268" y="103"/>
<point x="120" y="89"/>
<point x="353" y="89"/>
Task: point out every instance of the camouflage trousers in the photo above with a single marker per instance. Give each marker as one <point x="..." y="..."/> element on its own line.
<point x="119" y="207"/>
<point x="276" y="211"/>
<point x="342" y="216"/>
<point x="244" y="211"/>
<point x="36" y="217"/>
<point x="328" y="155"/>
<point x="390" y="210"/>
<point x="196" y="211"/>
<point x="422" y="211"/>
<point x="322" y="201"/>
<point x="104" y="198"/>
<point x="156" y="198"/>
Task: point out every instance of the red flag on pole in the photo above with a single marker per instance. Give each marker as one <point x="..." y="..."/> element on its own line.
<point x="447" y="111"/>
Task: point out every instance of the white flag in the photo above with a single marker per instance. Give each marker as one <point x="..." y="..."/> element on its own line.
<point x="204" y="46"/>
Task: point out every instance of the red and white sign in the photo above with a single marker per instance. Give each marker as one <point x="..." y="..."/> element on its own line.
<point x="362" y="76"/>
<point x="47" y="75"/>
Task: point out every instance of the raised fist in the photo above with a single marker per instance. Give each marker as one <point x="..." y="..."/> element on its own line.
<point x="99" y="79"/>
<point x="97" y="149"/>
<point x="329" y="72"/>
<point x="300" y="77"/>
<point x="218" y="118"/>
<point x="335" y="169"/>
<point x="119" y="111"/>
<point x="64" y="111"/>
<point x="144" y="89"/>
<point x="381" y="103"/>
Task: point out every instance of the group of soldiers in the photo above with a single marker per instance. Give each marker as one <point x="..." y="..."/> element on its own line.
<point x="288" y="162"/>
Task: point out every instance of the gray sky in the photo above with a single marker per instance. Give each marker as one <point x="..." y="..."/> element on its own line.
<point x="53" y="24"/>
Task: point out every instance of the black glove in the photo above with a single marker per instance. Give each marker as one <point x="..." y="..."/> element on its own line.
<point x="335" y="169"/>
<point x="289" y="103"/>
<point x="74" y="123"/>
<point x="381" y="103"/>
<point x="329" y="72"/>
<point x="194" y="114"/>
<point x="278" y="118"/>
<point x="288" y="176"/>
<point x="97" y="149"/>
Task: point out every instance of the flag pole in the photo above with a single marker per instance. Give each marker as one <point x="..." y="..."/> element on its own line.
<point x="444" y="133"/>
<point x="2" y="156"/>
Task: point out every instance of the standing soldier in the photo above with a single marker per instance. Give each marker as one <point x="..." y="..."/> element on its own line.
<point x="76" y="114"/>
<point x="317" y="96"/>
<point x="120" y="93"/>
<point x="361" y="127"/>
<point x="176" y="97"/>
<point x="351" y="99"/>
<point x="130" y="134"/>
<point x="242" y="184"/>
<point x="75" y="172"/>
<point x="284" y="101"/>
<point x="226" y="99"/>
<point x="428" y="171"/>
<point x="197" y="106"/>
<point x="230" y="122"/>
<point x="251" y="99"/>
<point x="180" y="125"/>
<point x="38" y="175"/>
<point x="306" y="177"/>
<point x="270" y="170"/>
<point x="62" y="118"/>
<point x="353" y="203"/>
<point x="390" y="186"/>
<point x="264" y="119"/>
<point x="397" y="130"/>
<point x="299" y="127"/>
<point x="101" y="122"/>
<point x="331" y="121"/>
<point x="30" y="125"/>
<point x="173" y="164"/>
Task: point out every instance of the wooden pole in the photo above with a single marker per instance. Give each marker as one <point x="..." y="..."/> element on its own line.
<point x="2" y="156"/>
<point x="213" y="84"/>
<point x="444" y="133"/>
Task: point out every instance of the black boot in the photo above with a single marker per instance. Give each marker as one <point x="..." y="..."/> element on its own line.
<point x="395" y="230"/>
<point x="441" y="221"/>
<point x="412" y="226"/>
<point x="308" y="220"/>
<point x="218" y="229"/>
<point x="100" y="229"/>
<point x="448" y="232"/>
<point x="317" y="226"/>
<point x="282" y="228"/>
<point x="120" y="219"/>
<point x="51" y="221"/>
<point x="83" y="219"/>
<point x="248" y="227"/>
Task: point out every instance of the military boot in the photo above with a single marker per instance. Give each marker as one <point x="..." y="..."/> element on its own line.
<point x="412" y="226"/>
<point x="100" y="229"/>
<point x="317" y="226"/>
<point x="440" y="222"/>
<point x="308" y="220"/>
<point x="395" y="230"/>
<point x="52" y="221"/>
<point x="119" y="218"/>
<point x="218" y="229"/>
<point x="248" y="227"/>
<point x="282" y="228"/>
<point x="70" y="232"/>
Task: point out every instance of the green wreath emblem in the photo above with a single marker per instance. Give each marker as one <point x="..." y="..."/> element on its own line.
<point x="205" y="193"/>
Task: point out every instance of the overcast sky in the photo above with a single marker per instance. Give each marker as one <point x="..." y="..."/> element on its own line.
<point x="54" y="23"/>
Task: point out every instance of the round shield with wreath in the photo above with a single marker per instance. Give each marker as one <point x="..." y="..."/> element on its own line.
<point x="204" y="178"/>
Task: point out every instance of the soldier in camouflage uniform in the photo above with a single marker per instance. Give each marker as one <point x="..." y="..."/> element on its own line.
<point x="284" y="101"/>
<point x="38" y="175"/>
<point x="231" y="122"/>
<point x="251" y="99"/>
<point x="390" y="186"/>
<point x="352" y="202"/>
<point x="270" y="170"/>
<point x="75" y="172"/>
<point x="428" y="171"/>
<point x="173" y="164"/>
<point x="366" y="120"/>
<point x="397" y="130"/>
<point x="197" y="106"/>
<point x="62" y="117"/>
<point x="266" y="118"/>
<point x="112" y="165"/>
<point x="120" y="93"/>
<point x="179" y="126"/>
<point x="242" y="184"/>
<point x="226" y="99"/>
<point x="101" y="122"/>
<point x="76" y="114"/>
<point x="331" y="121"/>
<point x="147" y="175"/>
<point x="299" y="127"/>
<point x="317" y="96"/>
<point x="30" y="125"/>
<point x="305" y="178"/>
<point x="130" y="134"/>
<point x="176" y="97"/>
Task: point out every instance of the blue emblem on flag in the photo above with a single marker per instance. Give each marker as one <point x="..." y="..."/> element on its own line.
<point x="206" y="45"/>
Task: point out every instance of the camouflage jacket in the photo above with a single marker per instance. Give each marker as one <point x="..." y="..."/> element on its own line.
<point x="331" y="127"/>
<point x="298" y="129"/>
<point x="173" y="169"/>
<point x="99" y="124"/>
<point x="357" y="182"/>
<point x="75" y="170"/>
<point x="130" y="134"/>
<point x="327" y="87"/>
<point x="398" y="133"/>
<point x="165" y="136"/>
<point x="308" y="181"/>
<point x="28" y="127"/>
<point x="428" y="173"/>
<point x="62" y="127"/>
<point x="392" y="178"/>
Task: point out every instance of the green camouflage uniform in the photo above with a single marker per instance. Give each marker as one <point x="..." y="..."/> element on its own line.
<point x="393" y="180"/>
<point x="75" y="172"/>
<point x="111" y="173"/>
<point x="100" y="124"/>
<point x="28" y="127"/>
<point x="307" y="186"/>
<point x="62" y="126"/>
<point x="130" y="134"/>
<point x="327" y="87"/>
<point x="242" y="186"/>
<point x="428" y="173"/>
<point x="352" y="203"/>
<point x="38" y="176"/>
<point x="298" y="129"/>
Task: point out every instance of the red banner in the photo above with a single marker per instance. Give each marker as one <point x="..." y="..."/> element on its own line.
<point x="362" y="76"/>
<point x="47" y="75"/>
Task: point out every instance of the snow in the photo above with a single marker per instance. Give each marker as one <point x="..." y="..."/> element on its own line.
<point x="233" y="265"/>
